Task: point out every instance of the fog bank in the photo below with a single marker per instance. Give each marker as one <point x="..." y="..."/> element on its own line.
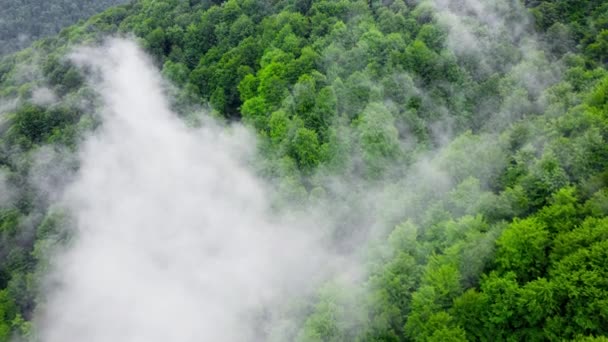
<point x="175" y="239"/>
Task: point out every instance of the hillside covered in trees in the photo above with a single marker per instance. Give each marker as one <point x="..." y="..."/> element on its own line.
<point x="22" y="22"/>
<point x="458" y="148"/>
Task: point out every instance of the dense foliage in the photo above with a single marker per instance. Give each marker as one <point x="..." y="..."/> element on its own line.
<point x="490" y="162"/>
<point x="22" y="22"/>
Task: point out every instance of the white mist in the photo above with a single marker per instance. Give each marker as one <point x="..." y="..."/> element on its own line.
<point x="174" y="237"/>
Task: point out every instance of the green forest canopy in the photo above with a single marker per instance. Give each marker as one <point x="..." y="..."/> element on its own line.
<point x="22" y="22"/>
<point x="513" y="247"/>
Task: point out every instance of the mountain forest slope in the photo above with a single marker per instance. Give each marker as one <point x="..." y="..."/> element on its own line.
<point x="461" y="147"/>
<point x="22" y="22"/>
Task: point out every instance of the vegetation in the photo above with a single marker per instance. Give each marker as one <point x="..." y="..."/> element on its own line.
<point x="492" y="162"/>
<point x="22" y="22"/>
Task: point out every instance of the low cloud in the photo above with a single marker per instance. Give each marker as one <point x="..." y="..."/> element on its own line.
<point x="175" y="238"/>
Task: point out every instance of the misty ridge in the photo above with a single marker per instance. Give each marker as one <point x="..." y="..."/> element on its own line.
<point x="22" y="22"/>
<point x="308" y="171"/>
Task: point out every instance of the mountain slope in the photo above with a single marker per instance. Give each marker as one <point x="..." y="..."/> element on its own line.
<point x="22" y="22"/>
<point x="463" y="159"/>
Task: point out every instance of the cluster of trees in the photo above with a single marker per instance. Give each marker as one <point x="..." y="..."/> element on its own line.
<point x="495" y="162"/>
<point x="575" y="23"/>
<point x="22" y="22"/>
<point x="525" y="261"/>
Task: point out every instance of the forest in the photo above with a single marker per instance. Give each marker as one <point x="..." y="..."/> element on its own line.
<point x="22" y="22"/>
<point x="456" y="149"/>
